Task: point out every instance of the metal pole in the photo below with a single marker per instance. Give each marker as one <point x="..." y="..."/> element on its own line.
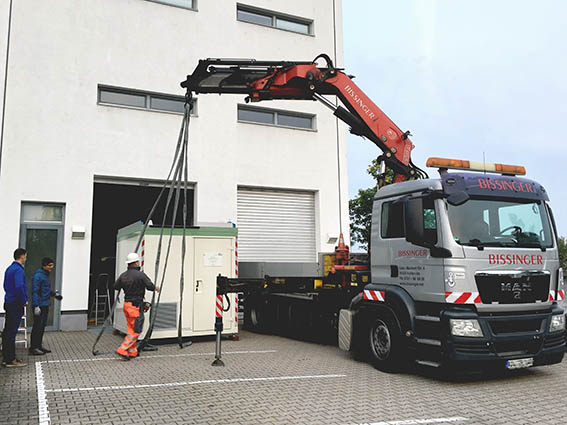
<point x="218" y="329"/>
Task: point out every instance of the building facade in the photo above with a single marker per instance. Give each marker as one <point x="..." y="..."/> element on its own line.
<point x="91" y="114"/>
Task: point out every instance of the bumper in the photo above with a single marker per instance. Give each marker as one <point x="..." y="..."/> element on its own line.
<point x="505" y="338"/>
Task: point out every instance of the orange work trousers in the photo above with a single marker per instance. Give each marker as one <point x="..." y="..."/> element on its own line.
<point x="135" y="321"/>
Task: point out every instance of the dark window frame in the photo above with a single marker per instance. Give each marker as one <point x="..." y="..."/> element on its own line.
<point x="149" y="95"/>
<point x="274" y="17"/>
<point x="399" y="232"/>
<point x="276" y="113"/>
<point x="172" y="3"/>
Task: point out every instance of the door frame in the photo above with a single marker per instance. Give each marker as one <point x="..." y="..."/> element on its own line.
<point x="59" y="261"/>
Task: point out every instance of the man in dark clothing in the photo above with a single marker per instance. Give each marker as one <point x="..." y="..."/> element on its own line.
<point x="15" y="299"/>
<point x="134" y="283"/>
<point x="41" y="299"/>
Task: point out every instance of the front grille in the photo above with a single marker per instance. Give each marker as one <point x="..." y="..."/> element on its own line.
<point x="554" y="341"/>
<point x="472" y="347"/>
<point x="516" y="348"/>
<point x="515" y="326"/>
<point x="521" y="287"/>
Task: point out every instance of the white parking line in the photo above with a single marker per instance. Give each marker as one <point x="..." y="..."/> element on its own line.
<point x="41" y="396"/>
<point x="144" y="357"/>
<point x="421" y="421"/>
<point x="209" y="381"/>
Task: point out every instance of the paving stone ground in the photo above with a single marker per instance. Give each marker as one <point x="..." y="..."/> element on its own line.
<point x="267" y="380"/>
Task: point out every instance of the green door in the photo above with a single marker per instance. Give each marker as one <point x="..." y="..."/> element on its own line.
<point x="43" y="240"/>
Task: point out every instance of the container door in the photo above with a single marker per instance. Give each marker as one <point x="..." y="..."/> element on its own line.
<point x="213" y="256"/>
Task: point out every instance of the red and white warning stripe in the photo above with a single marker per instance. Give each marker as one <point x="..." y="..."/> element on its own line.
<point x="462" y="298"/>
<point x="236" y="308"/>
<point x="559" y="297"/>
<point x="219" y="306"/>
<point x="372" y="295"/>
<point x="235" y="257"/>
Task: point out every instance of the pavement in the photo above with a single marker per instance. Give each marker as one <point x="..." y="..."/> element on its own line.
<point x="266" y="380"/>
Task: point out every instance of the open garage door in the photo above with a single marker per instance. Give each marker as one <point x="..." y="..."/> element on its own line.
<point x="276" y="226"/>
<point x="117" y="204"/>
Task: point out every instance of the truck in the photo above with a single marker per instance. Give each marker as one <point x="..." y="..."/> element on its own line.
<point x="464" y="267"/>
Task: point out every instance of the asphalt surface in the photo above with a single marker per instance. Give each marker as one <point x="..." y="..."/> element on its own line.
<point x="266" y="380"/>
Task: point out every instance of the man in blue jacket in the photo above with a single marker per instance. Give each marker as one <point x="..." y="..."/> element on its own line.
<point x="41" y="300"/>
<point x="14" y="301"/>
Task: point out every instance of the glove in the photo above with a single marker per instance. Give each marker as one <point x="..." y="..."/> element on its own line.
<point x="37" y="311"/>
<point x="58" y="296"/>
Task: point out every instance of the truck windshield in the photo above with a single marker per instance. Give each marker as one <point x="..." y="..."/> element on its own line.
<point x="500" y="223"/>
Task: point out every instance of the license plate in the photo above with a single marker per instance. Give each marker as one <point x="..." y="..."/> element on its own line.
<point x="519" y="363"/>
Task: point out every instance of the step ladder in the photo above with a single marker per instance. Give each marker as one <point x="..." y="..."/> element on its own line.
<point x="22" y="335"/>
<point x="101" y="301"/>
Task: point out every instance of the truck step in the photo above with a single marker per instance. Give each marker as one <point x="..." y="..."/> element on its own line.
<point x="426" y="341"/>
<point x="428" y="318"/>
<point x="428" y="363"/>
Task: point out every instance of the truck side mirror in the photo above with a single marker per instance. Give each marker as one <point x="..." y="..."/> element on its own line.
<point x="413" y="217"/>
<point x="457" y="198"/>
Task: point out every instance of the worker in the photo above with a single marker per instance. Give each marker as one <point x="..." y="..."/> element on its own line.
<point x="41" y="300"/>
<point x="15" y="299"/>
<point x="134" y="283"/>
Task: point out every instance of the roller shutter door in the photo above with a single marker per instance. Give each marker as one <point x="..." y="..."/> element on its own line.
<point x="276" y="226"/>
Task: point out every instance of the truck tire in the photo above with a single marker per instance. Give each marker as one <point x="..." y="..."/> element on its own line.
<point x="257" y="317"/>
<point x="384" y="344"/>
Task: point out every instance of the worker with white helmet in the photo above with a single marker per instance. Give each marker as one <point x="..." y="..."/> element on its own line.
<point x="134" y="282"/>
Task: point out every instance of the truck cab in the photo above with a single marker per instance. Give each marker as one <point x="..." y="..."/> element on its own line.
<point x="464" y="269"/>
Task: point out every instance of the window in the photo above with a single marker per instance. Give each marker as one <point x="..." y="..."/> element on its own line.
<point x="392" y="220"/>
<point x="186" y="4"/>
<point x="273" y="19"/>
<point x="275" y="117"/>
<point x="143" y="100"/>
<point x="32" y="212"/>
<point x="429" y="221"/>
<point x="486" y="222"/>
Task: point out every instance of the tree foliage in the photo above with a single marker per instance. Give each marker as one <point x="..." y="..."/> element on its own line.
<point x="563" y="253"/>
<point x="360" y="207"/>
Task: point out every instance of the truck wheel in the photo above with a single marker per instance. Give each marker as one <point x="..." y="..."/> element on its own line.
<point x="385" y="344"/>
<point x="256" y="315"/>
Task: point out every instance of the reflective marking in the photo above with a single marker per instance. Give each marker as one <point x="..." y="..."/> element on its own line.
<point x="179" y="384"/>
<point x="421" y="421"/>
<point x="42" y="407"/>
<point x="159" y="355"/>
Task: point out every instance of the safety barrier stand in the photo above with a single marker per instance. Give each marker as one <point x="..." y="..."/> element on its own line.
<point x="218" y="330"/>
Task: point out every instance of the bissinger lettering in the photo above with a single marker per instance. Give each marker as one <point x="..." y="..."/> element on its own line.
<point x="515" y="259"/>
<point x="413" y="253"/>
<point x="496" y="184"/>
<point x="359" y="101"/>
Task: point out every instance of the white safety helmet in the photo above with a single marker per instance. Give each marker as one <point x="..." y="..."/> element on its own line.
<point x="132" y="258"/>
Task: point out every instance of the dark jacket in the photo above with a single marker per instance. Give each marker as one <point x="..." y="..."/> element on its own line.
<point x="134" y="283"/>
<point x="41" y="289"/>
<point x="15" y="285"/>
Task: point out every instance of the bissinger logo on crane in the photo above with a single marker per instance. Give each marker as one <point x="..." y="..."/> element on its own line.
<point x="360" y="102"/>
<point x="528" y="259"/>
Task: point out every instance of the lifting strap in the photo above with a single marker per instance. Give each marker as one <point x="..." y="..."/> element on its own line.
<point x="179" y="168"/>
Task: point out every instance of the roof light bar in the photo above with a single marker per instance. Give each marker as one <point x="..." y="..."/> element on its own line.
<point x="489" y="167"/>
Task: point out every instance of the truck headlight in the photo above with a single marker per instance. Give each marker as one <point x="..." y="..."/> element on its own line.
<point x="557" y="323"/>
<point x="466" y="327"/>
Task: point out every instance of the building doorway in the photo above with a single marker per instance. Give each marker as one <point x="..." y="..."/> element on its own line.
<point x="116" y="205"/>
<point x="41" y="234"/>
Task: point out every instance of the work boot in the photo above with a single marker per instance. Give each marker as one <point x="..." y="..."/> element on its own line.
<point x="45" y="350"/>
<point x="36" y="352"/>
<point x="15" y="363"/>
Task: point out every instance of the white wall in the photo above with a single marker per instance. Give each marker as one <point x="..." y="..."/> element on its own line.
<point x="57" y="138"/>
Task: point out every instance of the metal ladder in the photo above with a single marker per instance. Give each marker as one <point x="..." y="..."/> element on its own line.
<point x="101" y="301"/>
<point x="23" y="330"/>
